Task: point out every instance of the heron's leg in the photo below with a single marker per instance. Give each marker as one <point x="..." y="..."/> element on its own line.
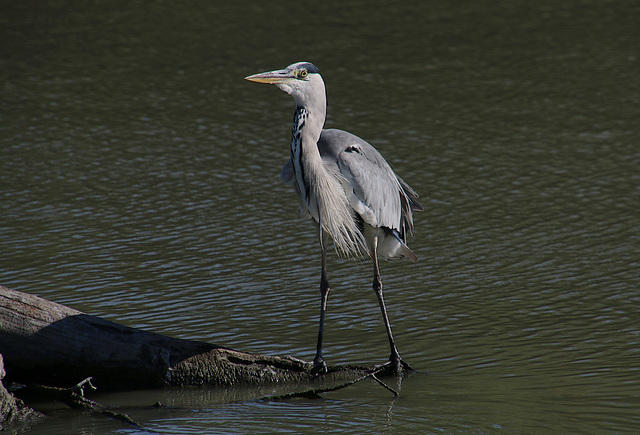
<point x="397" y="364"/>
<point x="318" y="361"/>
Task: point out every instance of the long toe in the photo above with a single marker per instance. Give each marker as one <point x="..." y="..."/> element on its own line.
<point x="405" y="366"/>
<point x="319" y="366"/>
<point x="397" y="366"/>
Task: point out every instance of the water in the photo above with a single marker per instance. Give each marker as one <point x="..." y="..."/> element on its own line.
<point x="139" y="182"/>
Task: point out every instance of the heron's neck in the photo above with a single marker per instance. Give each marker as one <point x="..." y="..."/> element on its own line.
<point x="305" y="157"/>
<point x="320" y="192"/>
<point x="307" y="127"/>
<point x="309" y="120"/>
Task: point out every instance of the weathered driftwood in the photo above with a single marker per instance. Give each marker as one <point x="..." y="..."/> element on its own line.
<point x="74" y="398"/>
<point x="50" y="344"/>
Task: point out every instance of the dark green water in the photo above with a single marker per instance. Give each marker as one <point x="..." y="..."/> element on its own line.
<point x="139" y="181"/>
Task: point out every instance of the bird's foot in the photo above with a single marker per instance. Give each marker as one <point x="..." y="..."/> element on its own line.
<point x="395" y="366"/>
<point x="319" y="366"/>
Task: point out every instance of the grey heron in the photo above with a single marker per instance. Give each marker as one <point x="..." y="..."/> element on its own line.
<point x="347" y="187"/>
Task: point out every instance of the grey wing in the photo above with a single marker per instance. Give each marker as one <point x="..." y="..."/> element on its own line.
<point x="374" y="190"/>
<point x="287" y="176"/>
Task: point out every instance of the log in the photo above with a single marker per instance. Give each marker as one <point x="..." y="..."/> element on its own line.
<point x="13" y="412"/>
<point x="50" y="344"/>
<point x="74" y="398"/>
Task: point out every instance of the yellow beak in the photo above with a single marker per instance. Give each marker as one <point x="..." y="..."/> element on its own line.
<point x="271" y="77"/>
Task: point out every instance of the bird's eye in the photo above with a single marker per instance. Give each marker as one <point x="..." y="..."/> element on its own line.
<point x="302" y="73"/>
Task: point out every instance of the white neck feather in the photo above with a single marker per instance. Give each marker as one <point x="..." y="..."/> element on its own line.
<point x="320" y="190"/>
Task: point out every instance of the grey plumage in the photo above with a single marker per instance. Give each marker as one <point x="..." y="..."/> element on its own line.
<point x="377" y="195"/>
<point x="346" y="186"/>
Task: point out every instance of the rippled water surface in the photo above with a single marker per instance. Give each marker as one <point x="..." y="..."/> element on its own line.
<point x="139" y="181"/>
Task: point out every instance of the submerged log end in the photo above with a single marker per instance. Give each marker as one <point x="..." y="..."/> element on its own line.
<point x="13" y="411"/>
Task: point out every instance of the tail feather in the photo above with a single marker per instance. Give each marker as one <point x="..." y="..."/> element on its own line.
<point x="408" y="203"/>
<point x="406" y="252"/>
<point x="391" y="245"/>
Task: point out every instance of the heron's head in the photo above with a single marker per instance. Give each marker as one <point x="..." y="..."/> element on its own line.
<point x="301" y="80"/>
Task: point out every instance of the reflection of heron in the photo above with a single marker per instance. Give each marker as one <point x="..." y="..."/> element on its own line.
<point x="346" y="186"/>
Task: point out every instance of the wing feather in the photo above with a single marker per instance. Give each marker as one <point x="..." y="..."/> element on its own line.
<point x="377" y="194"/>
